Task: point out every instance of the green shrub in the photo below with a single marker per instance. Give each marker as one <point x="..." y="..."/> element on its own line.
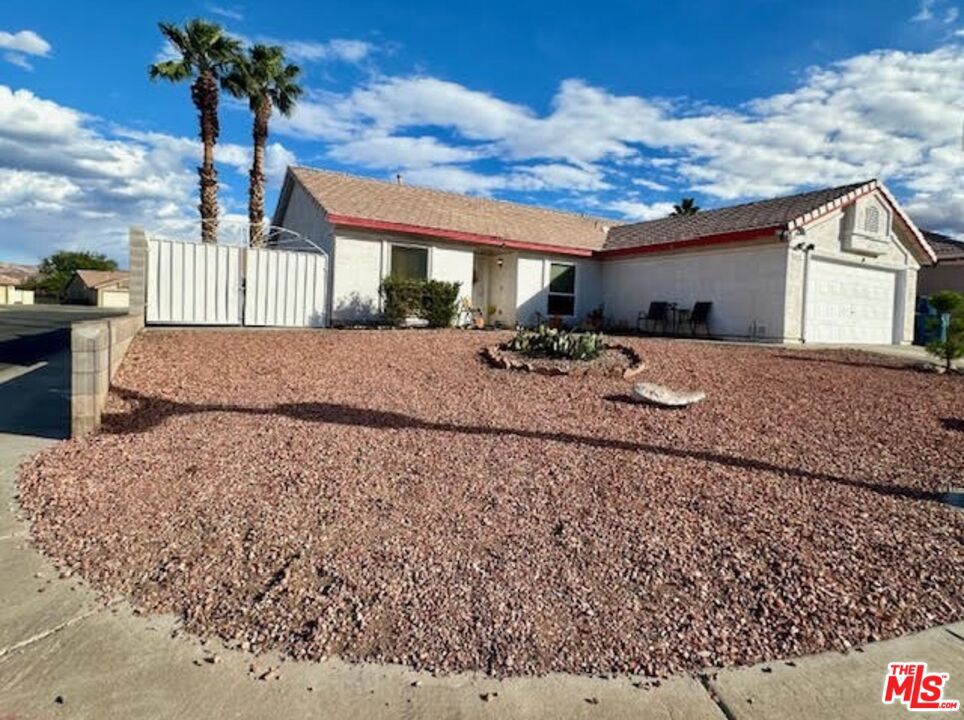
<point x="433" y="300"/>
<point x="952" y="347"/>
<point x="440" y="302"/>
<point x="553" y="343"/>
<point x="403" y="298"/>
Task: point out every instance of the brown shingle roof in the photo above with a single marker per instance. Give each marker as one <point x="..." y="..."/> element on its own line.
<point x="946" y="248"/>
<point x="760" y="215"/>
<point x="356" y="197"/>
<point x="98" y="278"/>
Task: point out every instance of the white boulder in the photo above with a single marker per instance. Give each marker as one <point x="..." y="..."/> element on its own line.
<point x="654" y="394"/>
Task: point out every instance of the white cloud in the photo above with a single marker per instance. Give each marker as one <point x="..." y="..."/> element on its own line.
<point x="22" y="44"/>
<point x="26" y="41"/>
<point x="306" y="51"/>
<point x="950" y="17"/>
<point x="926" y="11"/>
<point x="225" y="11"/>
<point x="64" y="182"/>
<point x="650" y="184"/>
<point x="394" y="152"/>
<point x="639" y="211"/>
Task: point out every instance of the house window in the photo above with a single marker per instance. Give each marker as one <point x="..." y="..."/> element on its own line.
<point x="562" y="289"/>
<point x="872" y="220"/>
<point x="410" y="263"/>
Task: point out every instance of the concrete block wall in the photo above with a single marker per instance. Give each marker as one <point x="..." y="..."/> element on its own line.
<point x="97" y="347"/>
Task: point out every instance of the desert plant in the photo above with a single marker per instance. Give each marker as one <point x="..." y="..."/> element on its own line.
<point x="433" y="300"/>
<point x="558" y="344"/>
<point x="206" y="54"/>
<point x="267" y="82"/>
<point x="951" y="347"/>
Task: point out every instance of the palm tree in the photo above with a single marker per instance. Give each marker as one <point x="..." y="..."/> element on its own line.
<point x="267" y="82"/>
<point x="687" y="206"/>
<point x="206" y="54"/>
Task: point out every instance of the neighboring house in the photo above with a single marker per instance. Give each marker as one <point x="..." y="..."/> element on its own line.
<point x="948" y="273"/>
<point x="833" y="265"/>
<point x="10" y="294"/>
<point x="103" y="288"/>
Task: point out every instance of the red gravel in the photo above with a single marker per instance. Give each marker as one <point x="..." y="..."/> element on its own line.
<point x="387" y="497"/>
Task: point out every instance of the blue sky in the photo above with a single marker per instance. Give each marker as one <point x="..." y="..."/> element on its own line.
<point x="612" y="108"/>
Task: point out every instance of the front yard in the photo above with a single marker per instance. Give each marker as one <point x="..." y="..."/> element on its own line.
<point x="386" y="496"/>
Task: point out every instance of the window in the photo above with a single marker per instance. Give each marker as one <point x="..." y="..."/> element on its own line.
<point x="410" y="263"/>
<point x="562" y="289"/>
<point x="872" y="220"/>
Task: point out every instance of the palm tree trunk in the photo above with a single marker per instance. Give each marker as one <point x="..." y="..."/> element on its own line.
<point x="204" y="93"/>
<point x="256" y="179"/>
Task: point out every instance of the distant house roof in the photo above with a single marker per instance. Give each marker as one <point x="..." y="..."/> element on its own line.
<point x="352" y="201"/>
<point x="95" y="279"/>
<point x="362" y="202"/>
<point x="944" y="246"/>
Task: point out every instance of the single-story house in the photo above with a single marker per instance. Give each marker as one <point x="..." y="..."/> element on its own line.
<point x="11" y="294"/>
<point x="103" y="288"/>
<point x="833" y="265"/>
<point x="948" y="273"/>
<point x="12" y="277"/>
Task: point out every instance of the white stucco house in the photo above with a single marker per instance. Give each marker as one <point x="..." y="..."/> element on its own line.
<point x="836" y="265"/>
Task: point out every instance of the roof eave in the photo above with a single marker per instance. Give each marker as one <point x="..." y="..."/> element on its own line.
<point x="361" y="223"/>
<point x="704" y="241"/>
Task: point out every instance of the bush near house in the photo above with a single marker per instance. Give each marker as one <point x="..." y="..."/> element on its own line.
<point x="952" y="347"/>
<point x="554" y="343"/>
<point x="433" y="300"/>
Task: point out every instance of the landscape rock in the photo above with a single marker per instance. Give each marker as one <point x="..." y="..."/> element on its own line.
<point x="382" y="497"/>
<point x="654" y="394"/>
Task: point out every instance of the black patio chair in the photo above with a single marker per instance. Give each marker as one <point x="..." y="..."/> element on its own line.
<point x="700" y="316"/>
<point x="658" y="314"/>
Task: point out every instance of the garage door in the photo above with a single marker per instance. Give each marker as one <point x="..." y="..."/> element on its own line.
<point x="849" y="304"/>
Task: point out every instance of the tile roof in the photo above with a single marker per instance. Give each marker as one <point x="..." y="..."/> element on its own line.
<point x="98" y="278"/>
<point x="945" y="247"/>
<point x="760" y="215"/>
<point x="351" y="196"/>
<point x="355" y="201"/>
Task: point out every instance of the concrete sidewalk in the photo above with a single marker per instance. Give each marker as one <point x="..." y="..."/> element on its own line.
<point x="66" y="654"/>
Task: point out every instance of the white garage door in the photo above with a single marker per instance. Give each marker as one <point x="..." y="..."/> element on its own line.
<point x="849" y="304"/>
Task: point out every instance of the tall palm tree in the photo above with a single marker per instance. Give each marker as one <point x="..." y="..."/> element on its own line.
<point x="267" y="82"/>
<point x="687" y="206"/>
<point x="206" y="54"/>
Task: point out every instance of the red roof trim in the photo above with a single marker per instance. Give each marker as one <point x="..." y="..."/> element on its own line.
<point x="458" y="236"/>
<point x="706" y="240"/>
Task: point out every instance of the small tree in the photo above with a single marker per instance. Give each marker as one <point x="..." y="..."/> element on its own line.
<point x="952" y="347"/>
<point x="687" y="206"/>
<point x="55" y="271"/>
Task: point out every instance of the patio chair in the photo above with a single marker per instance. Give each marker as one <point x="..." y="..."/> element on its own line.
<point x="700" y="316"/>
<point x="658" y="314"/>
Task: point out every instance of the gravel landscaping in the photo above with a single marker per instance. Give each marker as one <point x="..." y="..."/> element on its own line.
<point x="387" y="496"/>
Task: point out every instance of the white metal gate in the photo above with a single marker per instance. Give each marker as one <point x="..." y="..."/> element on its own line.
<point x="192" y="283"/>
<point x="284" y="288"/>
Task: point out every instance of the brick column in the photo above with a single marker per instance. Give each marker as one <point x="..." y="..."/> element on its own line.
<point x="138" y="270"/>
